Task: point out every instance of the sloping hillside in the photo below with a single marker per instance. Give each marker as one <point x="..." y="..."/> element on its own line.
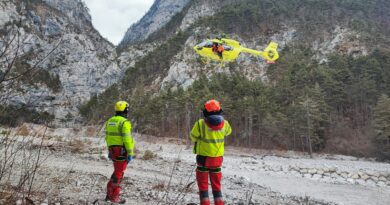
<point x="333" y="68"/>
<point x="159" y="14"/>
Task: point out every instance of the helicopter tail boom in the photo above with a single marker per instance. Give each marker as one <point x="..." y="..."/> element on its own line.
<point x="270" y="53"/>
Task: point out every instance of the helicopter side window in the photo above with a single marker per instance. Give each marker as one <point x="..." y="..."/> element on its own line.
<point x="228" y="48"/>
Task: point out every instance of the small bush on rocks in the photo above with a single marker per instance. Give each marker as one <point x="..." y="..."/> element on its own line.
<point x="149" y="155"/>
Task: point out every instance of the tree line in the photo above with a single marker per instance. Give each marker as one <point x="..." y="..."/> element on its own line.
<point x="341" y="106"/>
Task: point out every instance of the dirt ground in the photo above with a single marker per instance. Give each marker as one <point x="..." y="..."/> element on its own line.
<point x="76" y="171"/>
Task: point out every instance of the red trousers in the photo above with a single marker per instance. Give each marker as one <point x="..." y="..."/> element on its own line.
<point x="118" y="156"/>
<point x="209" y="167"/>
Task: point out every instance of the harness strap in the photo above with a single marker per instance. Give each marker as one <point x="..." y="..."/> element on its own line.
<point x="202" y="169"/>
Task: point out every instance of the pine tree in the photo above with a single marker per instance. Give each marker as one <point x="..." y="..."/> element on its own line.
<point x="382" y="127"/>
<point x="312" y="112"/>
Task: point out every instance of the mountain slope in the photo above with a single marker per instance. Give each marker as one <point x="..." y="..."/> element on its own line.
<point x="333" y="67"/>
<point x="66" y="58"/>
<point x="158" y="15"/>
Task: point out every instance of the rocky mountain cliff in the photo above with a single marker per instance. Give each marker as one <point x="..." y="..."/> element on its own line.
<point x="66" y="58"/>
<point x="159" y="14"/>
<point x="336" y="30"/>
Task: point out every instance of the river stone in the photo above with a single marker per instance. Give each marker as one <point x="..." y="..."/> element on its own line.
<point x="350" y="175"/>
<point x="327" y="174"/>
<point x="352" y="181"/>
<point x="382" y="179"/>
<point x="372" y="173"/>
<point x="332" y="169"/>
<point x="365" y="177"/>
<point x="339" y="180"/>
<point x="326" y="169"/>
<point x="334" y="175"/>
<point x="360" y="181"/>
<point x="344" y="175"/>
<point x="355" y="176"/>
<point x="374" y="178"/>
<point x="293" y="168"/>
<point x="312" y="171"/>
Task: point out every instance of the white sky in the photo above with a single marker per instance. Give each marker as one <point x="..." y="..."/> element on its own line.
<point x="112" y="18"/>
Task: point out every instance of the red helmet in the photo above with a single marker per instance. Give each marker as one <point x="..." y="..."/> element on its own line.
<point x="212" y="106"/>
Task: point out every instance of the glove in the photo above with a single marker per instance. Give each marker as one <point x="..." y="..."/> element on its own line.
<point x="129" y="158"/>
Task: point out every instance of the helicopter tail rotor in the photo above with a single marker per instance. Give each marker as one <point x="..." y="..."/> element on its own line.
<point x="271" y="53"/>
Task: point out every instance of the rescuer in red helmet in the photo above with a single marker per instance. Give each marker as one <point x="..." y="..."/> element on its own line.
<point x="209" y="134"/>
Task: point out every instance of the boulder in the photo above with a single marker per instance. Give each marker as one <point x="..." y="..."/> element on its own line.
<point x="374" y="178"/>
<point x="312" y="171"/>
<point x="365" y="177"/>
<point x="344" y="174"/>
<point x="360" y="181"/>
<point x="381" y="178"/>
<point x="351" y="181"/>
<point x="355" y="176"/>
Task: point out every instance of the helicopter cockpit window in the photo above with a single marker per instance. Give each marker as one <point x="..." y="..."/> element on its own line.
<point x="206" y="44"/>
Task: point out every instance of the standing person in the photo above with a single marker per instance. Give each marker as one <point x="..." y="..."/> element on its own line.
<point x="220" y="50"/>
<point x="209" y="134"/>
<point x="120" y="145"/>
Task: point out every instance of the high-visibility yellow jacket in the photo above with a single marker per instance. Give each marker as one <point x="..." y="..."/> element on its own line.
<point x="118" y="132"/>
<point x="209" y="142"/>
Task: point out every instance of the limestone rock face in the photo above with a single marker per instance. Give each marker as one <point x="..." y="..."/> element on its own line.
<point x="159" y="14"/>
<point x="72" y="61"/>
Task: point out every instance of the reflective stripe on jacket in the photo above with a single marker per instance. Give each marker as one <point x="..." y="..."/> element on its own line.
<point x="209" y="142"/>
<point x="118" y="132"/>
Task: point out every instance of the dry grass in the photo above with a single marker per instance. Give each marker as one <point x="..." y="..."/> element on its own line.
<point x="23" y="130"/>
<point x="77" y="146"/>
<point x="91" y="132"/>
<point x="177" y="141"/>
<point x="159" y="187"/>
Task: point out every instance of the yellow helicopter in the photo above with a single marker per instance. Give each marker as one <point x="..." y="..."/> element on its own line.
<point x="227" y="50"/>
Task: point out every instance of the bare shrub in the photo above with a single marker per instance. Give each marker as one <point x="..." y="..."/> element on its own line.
<point x="159" y="187"/>
<point x="90" y="132"/>
<point x="77" y="146"/>
<point x="23" y="130"/>
<point x="21" y="159"/>
<point x="148" y="155"/>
